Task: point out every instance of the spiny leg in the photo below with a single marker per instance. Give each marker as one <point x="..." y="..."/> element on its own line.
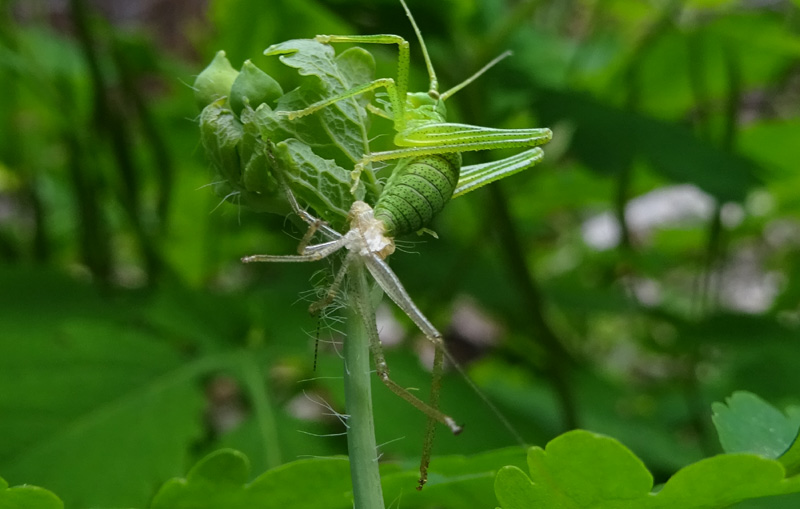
<point x="306" y="240"/>
<point x="403" y="63"/>
<point x="430" y="426"/>
<point x="333" y="289"/>
<point x="390" y="283"/>
<point x="443" y="138"/>
<point x="310" y="254"/>
<point x="429" y="409"/>
<point x="396" y="90"/>
<point x="388" y="83"/>
<point x="477" y="175"/>
<point x="366" y="311"/>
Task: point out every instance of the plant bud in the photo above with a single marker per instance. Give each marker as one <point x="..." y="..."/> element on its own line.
<point x="221" y="134"/>
<point x="215" y="81"/>
<point x="254" y="86"/>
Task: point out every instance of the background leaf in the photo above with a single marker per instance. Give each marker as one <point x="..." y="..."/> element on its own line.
<point x="746" y="423"/>
<point x="27" y="497"/>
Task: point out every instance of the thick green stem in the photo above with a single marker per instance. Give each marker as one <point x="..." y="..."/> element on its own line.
<point x="363" y="452"/>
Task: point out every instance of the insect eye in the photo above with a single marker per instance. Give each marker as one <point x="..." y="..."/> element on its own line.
<point x="433" y="94"/>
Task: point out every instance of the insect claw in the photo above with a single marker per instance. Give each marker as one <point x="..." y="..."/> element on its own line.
<point x="455" y="428"/>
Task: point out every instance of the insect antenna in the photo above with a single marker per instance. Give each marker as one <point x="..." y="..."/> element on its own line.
<point x="484" y="398"/>
<point x="434" y="88"/>
<point x="475" y="76"/>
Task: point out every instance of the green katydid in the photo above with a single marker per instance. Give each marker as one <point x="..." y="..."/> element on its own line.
<point x="427" y="175"/>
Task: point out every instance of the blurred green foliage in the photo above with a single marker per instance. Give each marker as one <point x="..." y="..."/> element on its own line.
<point x="646" y="269"/>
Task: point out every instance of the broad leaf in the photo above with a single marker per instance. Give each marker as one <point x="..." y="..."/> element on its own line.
<point x="93" y="407"/>
<point x="220" y="480"/>
<point x="746" y="423"/>
<point x="580" y="469"/>
<point x="27" y="497"/>
<point x="345" y="121"/>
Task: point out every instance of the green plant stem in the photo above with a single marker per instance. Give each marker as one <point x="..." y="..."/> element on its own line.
<point x="254" y="379"/>
<point x="367" y="493"/>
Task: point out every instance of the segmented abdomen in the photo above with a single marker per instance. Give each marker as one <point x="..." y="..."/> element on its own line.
<point x="417" y="192"/>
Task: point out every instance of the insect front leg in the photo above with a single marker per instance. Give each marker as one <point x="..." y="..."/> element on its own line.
<point x="302" y="247"/>
<point x="396" y="90"/>
<point x="310" y="253"/>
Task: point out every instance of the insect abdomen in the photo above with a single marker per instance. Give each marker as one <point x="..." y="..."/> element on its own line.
<point x="417" y="192"/>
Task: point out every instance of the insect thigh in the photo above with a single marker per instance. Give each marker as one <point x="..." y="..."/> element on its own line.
<point x="417" y="192"/>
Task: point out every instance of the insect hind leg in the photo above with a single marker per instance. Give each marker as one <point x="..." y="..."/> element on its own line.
<point x="391" y="284"/>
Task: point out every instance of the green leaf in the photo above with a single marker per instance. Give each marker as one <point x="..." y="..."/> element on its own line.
<point x="576" y="469"/>
<point x="238" y="154"/>
<point x="346" y="121"/>
<point x="580" y="469"/>
<point x="259" y="186"/>
<point x="319" y="182"/>
<point x="454" y="482"/>
<point x="722" y="480"/>
<point x="608" y="139"/>
<point x="335" y="136"/>
<point x="220" y="480"/>
<point x="27" y="497"/>
<point x="746" y="423"/>
<point x="93" y="407"/>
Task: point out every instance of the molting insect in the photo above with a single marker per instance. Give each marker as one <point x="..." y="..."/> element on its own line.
<point x="427" y="175"/>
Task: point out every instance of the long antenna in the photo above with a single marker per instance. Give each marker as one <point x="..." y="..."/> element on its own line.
<point x="434" y="82"/>
<point x="475" y="76"/>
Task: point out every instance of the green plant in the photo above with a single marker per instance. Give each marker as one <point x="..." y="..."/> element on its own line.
<point x="110" y="368"/>
<point x="426" y="176"/>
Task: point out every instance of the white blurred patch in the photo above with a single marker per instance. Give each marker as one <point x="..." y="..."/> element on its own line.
<point x="390" y="330"/>
<point x="760" y="203"/>
<point x="307" y="407"/>
<point x="668" y="206"/>
<point x="731" y="215"/>
<point x="782" y="233"/>
<point x="473" y="325"/>
<point x="647" y="291"/>
<point x="741" y="282"/>
<point x="745" y="286"/>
